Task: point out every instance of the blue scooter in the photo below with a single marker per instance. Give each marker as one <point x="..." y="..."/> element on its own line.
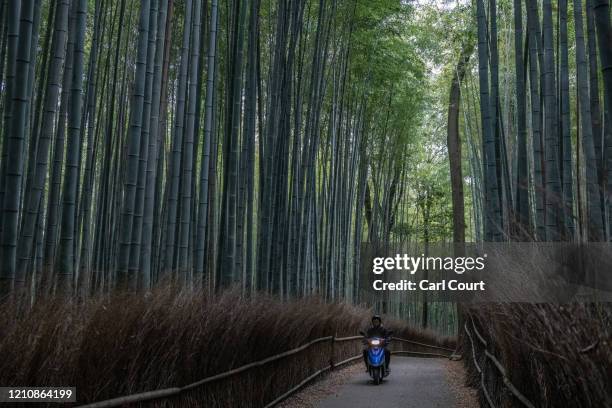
<point x="376" y="356"/>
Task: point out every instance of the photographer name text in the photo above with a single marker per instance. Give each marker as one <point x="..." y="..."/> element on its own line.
<point x="408" y="285"/>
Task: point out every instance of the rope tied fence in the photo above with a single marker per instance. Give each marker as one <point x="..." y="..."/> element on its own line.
<point x="161" y="394"/>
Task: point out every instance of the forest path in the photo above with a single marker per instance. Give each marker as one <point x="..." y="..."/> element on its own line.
<point x="413" y="382"/>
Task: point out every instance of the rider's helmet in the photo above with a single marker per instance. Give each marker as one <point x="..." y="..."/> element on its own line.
<point x="376" y="317"/>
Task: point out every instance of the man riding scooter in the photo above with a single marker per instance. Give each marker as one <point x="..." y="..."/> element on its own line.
<point x="378" y="330"/>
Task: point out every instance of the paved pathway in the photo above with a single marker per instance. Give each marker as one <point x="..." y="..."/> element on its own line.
<point x="414" y="382"/>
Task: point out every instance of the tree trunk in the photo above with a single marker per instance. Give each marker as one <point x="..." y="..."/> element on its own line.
<point x="595" y="231"/>
<point x="522" y="218"/>
<point x="66" y="250"/>
<point x="177" y="147"/>
<point x="153" y="154"/>
<point x="15" y="140"/>
<point x="552" y="186"/>
<point x="493" y="224"/>
<point x="565" y="137"/>
<point x="203" y="201"/>
<point x="454" y="145"/>
<point x="31" y="215"/>
<point x="125" y="279"/>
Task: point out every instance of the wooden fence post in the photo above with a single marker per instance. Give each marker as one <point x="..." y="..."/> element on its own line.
<point x="331" y="357"/>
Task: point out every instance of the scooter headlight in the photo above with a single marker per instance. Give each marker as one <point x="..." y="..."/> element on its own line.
<point x="375" y="342"/>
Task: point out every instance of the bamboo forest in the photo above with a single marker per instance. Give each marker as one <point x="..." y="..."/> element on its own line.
<point x="175" y="171"/>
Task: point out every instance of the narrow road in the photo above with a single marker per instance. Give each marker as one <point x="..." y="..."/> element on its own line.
<point x="414" y="382"/>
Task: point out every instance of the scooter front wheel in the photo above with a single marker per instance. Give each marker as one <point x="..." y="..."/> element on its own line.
<point x="377" y="375"/>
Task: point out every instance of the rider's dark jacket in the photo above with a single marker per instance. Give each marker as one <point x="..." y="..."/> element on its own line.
<point x="379" y="331"/>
